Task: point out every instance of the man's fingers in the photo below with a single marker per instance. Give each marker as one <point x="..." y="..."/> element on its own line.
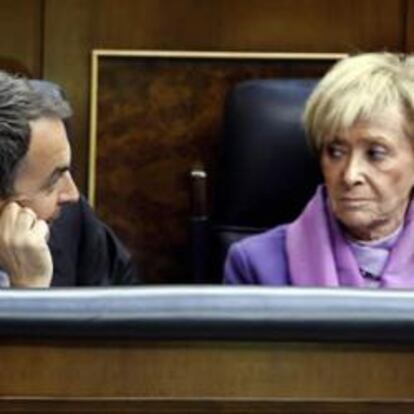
<point x="11" y="225"/>
<point x="41" y="229"/>
<point x="28" y="212"/>
<point x="24" y="253"/>
<point x="9" y="212"/>
<point x="26" y="219"/>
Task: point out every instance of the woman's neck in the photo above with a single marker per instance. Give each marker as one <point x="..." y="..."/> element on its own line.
<point x="376" y="231"/>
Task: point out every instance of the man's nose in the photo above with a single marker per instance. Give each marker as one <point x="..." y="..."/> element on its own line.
<point x="69" y="192"/>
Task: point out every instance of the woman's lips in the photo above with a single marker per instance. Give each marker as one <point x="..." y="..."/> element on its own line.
<point x="353" y="201"/>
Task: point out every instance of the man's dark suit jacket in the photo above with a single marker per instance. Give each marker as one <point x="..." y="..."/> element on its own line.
<point x="85" y="251"/>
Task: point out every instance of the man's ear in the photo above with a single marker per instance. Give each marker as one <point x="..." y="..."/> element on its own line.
<point x="3" y="202"/>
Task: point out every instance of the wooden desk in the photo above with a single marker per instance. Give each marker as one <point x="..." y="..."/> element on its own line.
<point x="159" y="360"/>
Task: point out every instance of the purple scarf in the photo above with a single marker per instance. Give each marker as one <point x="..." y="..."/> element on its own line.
<point x="318" y="254"/>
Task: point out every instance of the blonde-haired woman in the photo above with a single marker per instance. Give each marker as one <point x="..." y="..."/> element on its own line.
<point x="358" y="229"/>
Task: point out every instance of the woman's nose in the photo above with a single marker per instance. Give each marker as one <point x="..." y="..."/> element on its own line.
<point x="353" y="173"/>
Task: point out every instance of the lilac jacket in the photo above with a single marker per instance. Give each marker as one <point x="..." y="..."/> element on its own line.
<point x="259" y="259"/>
<point x="312" y="251"/>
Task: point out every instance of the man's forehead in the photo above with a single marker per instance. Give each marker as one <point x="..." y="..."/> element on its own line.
<point x="47" y="128"/>
<point x="48" y="142"/>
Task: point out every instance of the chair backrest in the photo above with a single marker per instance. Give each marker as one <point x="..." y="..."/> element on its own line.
<point x="266" y="170"/>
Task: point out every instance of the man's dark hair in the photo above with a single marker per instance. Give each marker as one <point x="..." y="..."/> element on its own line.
<point x="23" y="101"/>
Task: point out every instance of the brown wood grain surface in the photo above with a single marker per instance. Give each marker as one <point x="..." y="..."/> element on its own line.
<point x="72" y="28"/>
<point x="200" y="370"/>
<point x="202" y="406"/>
<point x="21" y="33"/>
<point x="409" y="27"/>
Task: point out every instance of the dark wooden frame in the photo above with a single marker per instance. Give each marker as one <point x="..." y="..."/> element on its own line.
<point x="157" y="115"/>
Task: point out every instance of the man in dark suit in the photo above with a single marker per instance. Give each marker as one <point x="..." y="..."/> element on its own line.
<point x="49" y="236"/>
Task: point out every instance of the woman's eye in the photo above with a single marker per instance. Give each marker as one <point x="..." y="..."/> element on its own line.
<point x="377" y="153"/>
<point x="334" y="151"/>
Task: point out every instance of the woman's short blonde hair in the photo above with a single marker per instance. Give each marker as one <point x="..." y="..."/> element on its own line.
<point x="357" y="88"/>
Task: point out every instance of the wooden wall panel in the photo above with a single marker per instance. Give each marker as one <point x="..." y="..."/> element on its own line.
<point x="184" y="377"/>
<point x="409" y="26"/>
<point x="207" y="369"/>
<point x="22" y="36"/>
<point x="74" y="27"/>
<point x="312" y="26"/>
<point x="200" y="406"/>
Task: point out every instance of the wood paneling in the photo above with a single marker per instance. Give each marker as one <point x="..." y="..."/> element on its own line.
<point x="21" y="31"/>
<point x="186" y="369"/>
<point x="201" y="406"/>
<point x="409" y="26"/>
<point x="74" y="27"/>
<point x="195" y="377"/>
<point x="308" y="25"/>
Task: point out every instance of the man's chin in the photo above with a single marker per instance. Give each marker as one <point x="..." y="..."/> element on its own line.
<point x="53" y="218"/>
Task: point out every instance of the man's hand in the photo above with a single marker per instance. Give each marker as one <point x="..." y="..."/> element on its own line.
<point x="24" y="253"/>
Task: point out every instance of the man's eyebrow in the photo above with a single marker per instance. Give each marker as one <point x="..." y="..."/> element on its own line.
<point x="55" y="175"/>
